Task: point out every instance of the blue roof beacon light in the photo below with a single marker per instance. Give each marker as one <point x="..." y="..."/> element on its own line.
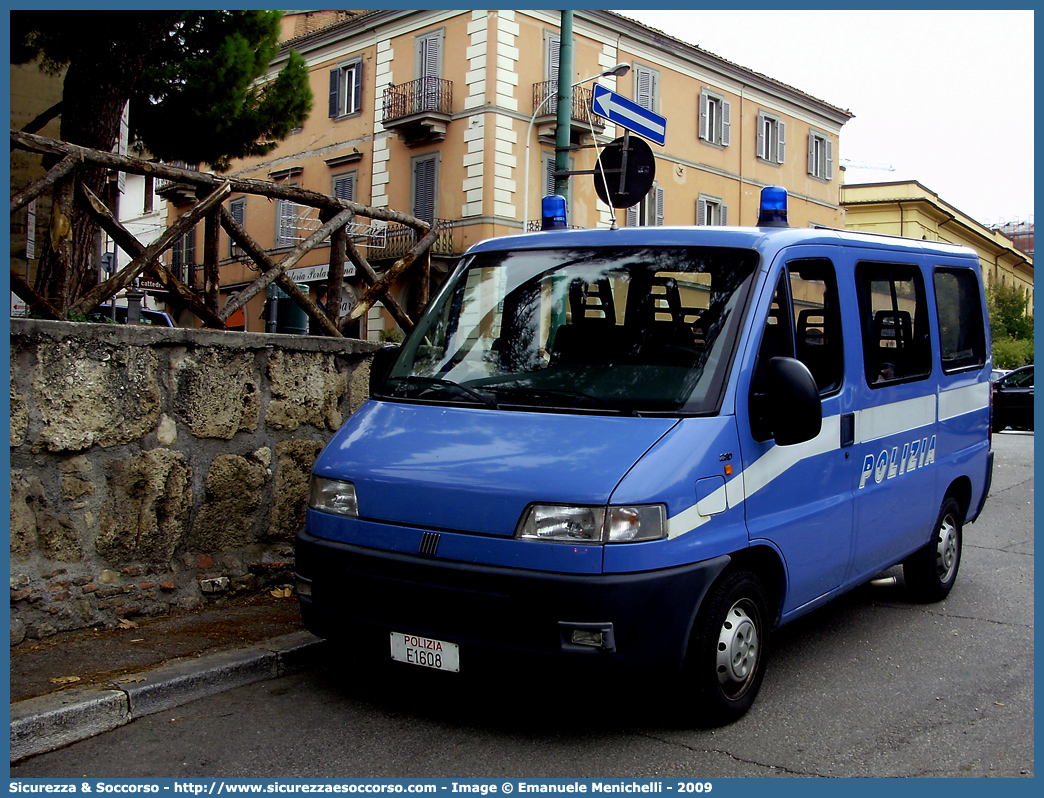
<point x="773" y="209"/>
<point x="553" y="212"/>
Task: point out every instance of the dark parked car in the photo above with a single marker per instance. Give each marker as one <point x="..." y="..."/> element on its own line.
<point x="1013" y="400"/>
<point x="156" y="318"/>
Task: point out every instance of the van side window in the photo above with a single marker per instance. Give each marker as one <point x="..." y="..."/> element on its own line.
<point x="817" y="321"/>
<point x="894" y="319"/>
<point x="962" y="340"/>
<point x="776" y="341"/>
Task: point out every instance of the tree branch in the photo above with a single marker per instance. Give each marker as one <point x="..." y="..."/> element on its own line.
<point x="34" y="190"/>
<point x="123" y="278"/>
<point x="255" y="251"/>
<point x="126" y="241"/>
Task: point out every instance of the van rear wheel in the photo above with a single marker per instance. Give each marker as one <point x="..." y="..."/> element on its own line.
<point x="728" y="649"/>
<point x="931" y="572"/>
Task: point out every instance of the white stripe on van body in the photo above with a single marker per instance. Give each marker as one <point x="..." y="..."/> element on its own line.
<point x="959" y="401"/>
<point x="893" y="418"/>
<point x="760" y="473"/>
<point x="870" y="424"/>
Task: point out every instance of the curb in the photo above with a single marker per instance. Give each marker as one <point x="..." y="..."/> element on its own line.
<point x="51" y="721"/>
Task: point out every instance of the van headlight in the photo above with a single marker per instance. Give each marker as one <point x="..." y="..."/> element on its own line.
<point x="333" y="496"/>
<point x="579" y="524"/>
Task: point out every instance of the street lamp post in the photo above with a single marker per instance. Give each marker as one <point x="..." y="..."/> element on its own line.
<point x="617" y="71"/>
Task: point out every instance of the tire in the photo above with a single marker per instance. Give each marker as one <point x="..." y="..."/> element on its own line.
<point x="728" y="650"/>
<point x="931" y="572"/>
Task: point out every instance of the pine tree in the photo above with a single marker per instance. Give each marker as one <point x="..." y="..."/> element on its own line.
<point x="193" y="83"/>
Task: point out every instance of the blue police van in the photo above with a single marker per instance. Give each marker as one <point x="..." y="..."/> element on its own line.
<point x="648" y="447"/>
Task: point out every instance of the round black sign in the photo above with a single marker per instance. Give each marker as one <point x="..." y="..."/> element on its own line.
<point x="638" y="175"/>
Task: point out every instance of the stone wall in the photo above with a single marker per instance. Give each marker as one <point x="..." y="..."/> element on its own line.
<point x="158" y="468"/>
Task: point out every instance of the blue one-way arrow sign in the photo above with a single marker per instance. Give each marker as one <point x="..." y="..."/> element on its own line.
<point x="629" y="114"/>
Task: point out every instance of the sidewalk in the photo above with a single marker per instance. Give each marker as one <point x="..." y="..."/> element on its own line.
<point x="77" y="684"/>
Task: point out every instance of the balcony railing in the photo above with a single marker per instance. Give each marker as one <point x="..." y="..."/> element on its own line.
<point x="399" y="239"/>
<point x="581" y="110"/>
<point x="422" y="96"/>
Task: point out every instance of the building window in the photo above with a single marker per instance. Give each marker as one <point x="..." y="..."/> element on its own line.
<point x="711" y="211"/>
<point x="771" y="138"/>
<point x="820" y="156"/>
<point x="715" y="122"/>
<point x="183" y="258"/>
<point x="344" y="186"/>
<point x="429" y="69"/>
<point x="237" y="209"/>
<point x="424" y="189"/>
<point x="648" y="212"/>
<point x="287" y="214"/>
<point x="549" y="182"/>
<point x="647" y="88"/>
<point x="552" y="52"/>
<point x="346" y="89"/>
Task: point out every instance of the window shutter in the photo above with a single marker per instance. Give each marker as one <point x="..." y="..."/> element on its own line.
<point x="724" y="213"/>
<point x="190" y="247"/>
<point x="631" y="219"/>
<point x="177" y="258"/>
<point x="644" y="88"/>
<point x="701" y="211"/>
<point x="554" y="49"/>
<point x="659" y="206"/>
<point x="762" y="143"/>
<point x="549" y="177"/>
<point x="344" y="188"/>
<point x="811" y="153"/>
<point x="430" y="55"/>
<point x="829" y="159"/>
<point x="424" y="188"/>
<point x="358" y="73"/>
<point x="782" y="128"/>
<point x="238" y="211"/>
<point x="703" y="117"/>
<point x="287" y="223"/>
<point x="726" y="112"/>
<point x="335" y="92"/>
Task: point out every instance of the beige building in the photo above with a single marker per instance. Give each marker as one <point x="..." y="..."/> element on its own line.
<point x="32" y="93"/>
<point x="427" y="112"/>
<point x="910" y="210"/>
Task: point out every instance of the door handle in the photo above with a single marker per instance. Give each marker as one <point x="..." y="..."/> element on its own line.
<point x="847" y="429"/>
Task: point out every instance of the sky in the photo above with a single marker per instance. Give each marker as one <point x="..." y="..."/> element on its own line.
<point x="944" y="97"/>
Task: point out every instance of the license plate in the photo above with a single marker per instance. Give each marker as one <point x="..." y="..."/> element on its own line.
<point x="425" y="651"/>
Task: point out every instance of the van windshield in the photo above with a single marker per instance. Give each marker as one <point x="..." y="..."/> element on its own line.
<point x="639" y="330"/>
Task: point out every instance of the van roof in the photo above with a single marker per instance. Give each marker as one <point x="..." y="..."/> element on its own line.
<point x="766" y="240"/>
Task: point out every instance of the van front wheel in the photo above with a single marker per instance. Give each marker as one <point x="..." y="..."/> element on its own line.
<point x="931" y="572"/>
<point x="728" y="649"/>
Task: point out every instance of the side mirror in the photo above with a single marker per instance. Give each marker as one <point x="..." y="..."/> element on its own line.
<point x="789" y="410"/>
<point x="383" y="360"/>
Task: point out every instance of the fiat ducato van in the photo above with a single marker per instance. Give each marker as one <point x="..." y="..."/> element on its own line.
<point x="646" y="448"/>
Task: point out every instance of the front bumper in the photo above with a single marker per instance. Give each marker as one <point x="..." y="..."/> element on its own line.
<point x="364" y="594"/>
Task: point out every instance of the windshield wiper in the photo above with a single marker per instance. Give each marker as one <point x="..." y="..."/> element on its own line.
<point x="532" y="390"/>
<point x="443" y="382"/>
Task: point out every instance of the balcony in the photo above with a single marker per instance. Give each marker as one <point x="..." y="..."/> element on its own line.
<point x="420" y="110"/>
<point x="581" y="118"/>
<point x="175" y="192"/>
<point x="399" y="239"/>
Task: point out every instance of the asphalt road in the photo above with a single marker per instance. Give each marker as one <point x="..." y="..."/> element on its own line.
<point x="870" y="685"/>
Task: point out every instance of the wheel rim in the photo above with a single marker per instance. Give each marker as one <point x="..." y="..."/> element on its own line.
<point x="946" y="549"/>
<point x="738" y="648"/>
